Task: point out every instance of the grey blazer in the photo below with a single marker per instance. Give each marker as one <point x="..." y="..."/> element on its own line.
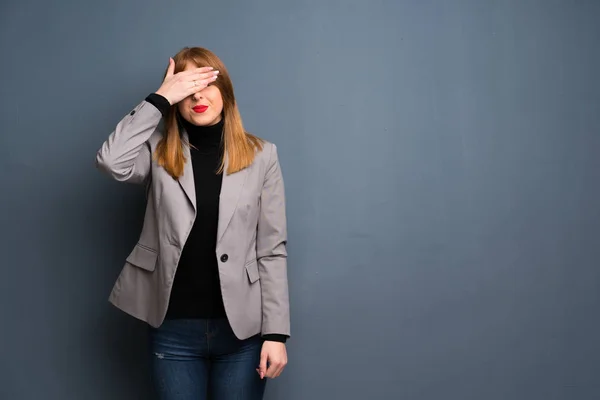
<point x="251" y="239"/>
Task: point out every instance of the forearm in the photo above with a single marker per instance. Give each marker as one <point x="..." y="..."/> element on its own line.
<point x="124" y="155"/>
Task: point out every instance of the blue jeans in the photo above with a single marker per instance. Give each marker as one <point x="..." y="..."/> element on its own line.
<point x="199" y="359"/>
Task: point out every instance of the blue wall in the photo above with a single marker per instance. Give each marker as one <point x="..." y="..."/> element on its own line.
<point x="442" y="171"/>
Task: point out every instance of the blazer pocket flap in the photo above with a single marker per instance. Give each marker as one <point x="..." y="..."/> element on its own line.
<point x="143" y="257"/>
<point x="252" y="270"/>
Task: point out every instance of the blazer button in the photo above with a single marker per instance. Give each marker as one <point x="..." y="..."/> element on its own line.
<point x="224" y="258"/>
<point x="131" y="113"/>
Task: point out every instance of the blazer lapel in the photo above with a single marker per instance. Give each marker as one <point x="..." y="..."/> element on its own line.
<point x="231" y="189"/>
<point x="187" y="180"/>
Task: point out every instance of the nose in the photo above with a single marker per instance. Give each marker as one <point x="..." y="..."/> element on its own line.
<point x="197" y="96"/>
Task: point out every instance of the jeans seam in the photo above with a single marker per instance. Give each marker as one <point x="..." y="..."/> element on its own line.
<point x="207" y="333"/>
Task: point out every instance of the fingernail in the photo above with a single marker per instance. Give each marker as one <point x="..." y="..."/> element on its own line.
<point x="216" y="72"/>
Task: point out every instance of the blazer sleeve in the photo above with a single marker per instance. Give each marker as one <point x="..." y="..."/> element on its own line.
<point x="125" y="155"/>
<point x="271" y="241"/>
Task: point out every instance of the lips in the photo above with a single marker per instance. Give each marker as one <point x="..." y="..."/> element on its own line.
<point x="200" y="109"/>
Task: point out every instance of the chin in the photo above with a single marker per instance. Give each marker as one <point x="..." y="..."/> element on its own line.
<point x="200" y="120"/>
<point x="206" y="120"/>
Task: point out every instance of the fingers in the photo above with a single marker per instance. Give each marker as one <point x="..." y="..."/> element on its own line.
<point x="178" y="86"/>
<point x="274" y="356"/>
<point x="194" y="74"/>
<point x="196" y="86"/>
<point x="199" y="80"/>
<point x="203" y="76"/>
<point x="262" y="368"/>
<point x="200" y="70"/>
<point x="271" y="372"/>
<point x="171" y="68"/>
<point x="275" y="369"/>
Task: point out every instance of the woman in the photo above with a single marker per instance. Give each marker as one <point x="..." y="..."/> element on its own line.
<point x="209" y="271"/>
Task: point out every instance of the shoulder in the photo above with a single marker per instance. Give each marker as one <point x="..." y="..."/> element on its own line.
<point x="266" y="151"/>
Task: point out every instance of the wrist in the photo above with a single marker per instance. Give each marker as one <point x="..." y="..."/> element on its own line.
<point x="162" y="94"/>
<point x="160" y="102"/>
<point x="274" y="337"/>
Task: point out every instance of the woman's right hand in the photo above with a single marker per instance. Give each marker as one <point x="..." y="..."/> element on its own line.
<point x="177" y="87"/>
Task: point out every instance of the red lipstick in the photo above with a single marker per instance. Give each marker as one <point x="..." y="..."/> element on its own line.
<point x="200" y="109"/>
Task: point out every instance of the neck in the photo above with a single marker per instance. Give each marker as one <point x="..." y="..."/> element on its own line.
<point x="204" y="137"/>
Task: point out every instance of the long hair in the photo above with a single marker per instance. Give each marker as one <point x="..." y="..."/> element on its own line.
<point x="239" y="145"/>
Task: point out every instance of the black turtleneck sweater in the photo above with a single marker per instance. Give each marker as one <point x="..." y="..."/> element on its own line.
<point x="196" y="291"/>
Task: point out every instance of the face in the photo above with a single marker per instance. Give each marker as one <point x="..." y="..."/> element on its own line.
<point x="203" y="108"/>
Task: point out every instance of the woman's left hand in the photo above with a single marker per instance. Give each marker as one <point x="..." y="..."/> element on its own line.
<point x="275" y="355"/>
